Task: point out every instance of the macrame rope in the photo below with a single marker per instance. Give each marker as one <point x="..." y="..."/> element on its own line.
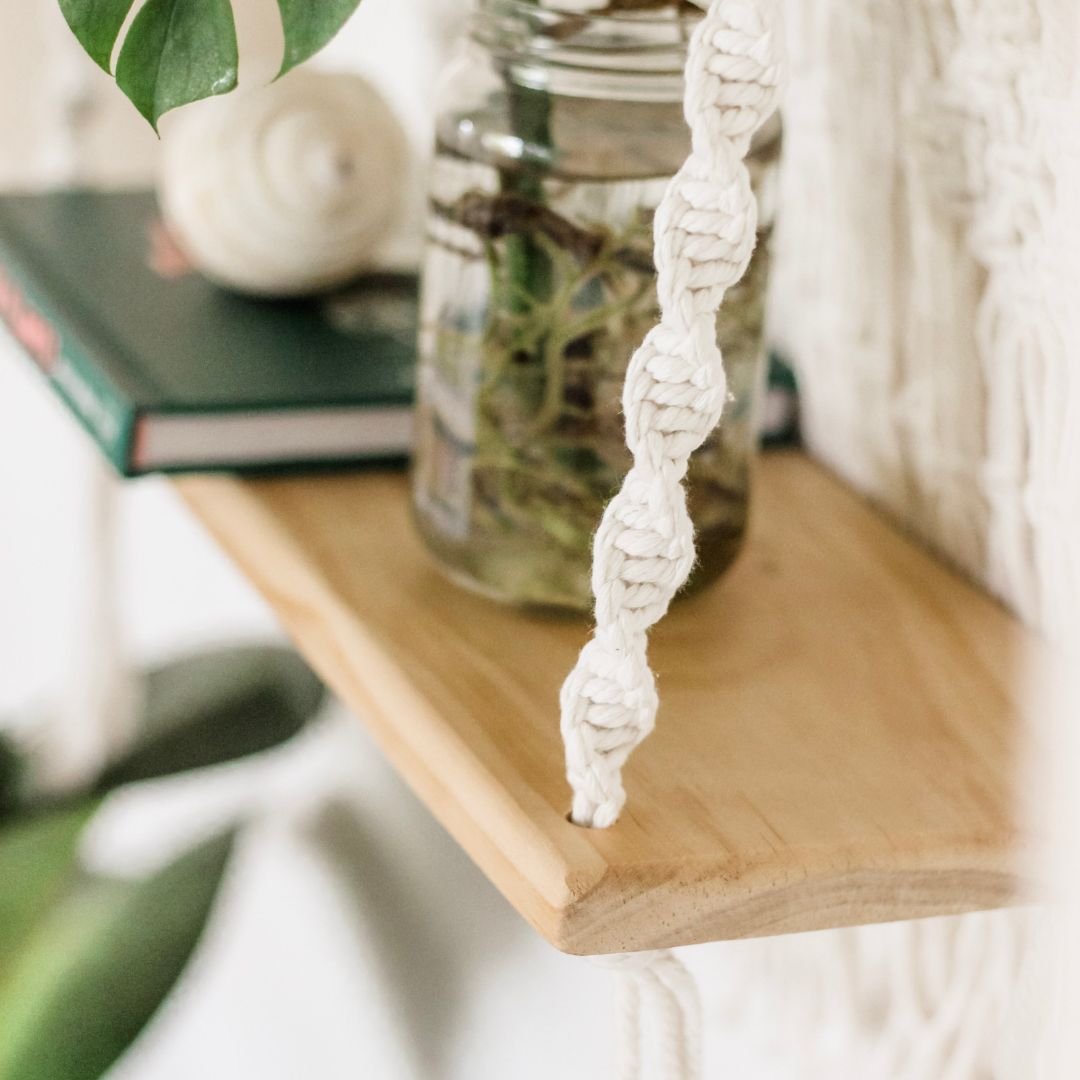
<point x="672" y="1040"/>
<point x="674" y="394"/>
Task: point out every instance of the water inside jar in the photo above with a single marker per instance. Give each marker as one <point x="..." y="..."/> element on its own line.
<point x="538" y="285"/>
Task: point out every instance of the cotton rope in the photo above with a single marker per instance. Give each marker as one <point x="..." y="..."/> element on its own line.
<point x="672" y="1041"/>
<point x="705" y="230"/>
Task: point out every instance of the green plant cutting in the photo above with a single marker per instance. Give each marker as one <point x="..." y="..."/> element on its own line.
<point x="543" y="190"/>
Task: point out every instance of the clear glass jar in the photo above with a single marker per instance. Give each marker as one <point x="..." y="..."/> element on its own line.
<point x="558" y="135"/>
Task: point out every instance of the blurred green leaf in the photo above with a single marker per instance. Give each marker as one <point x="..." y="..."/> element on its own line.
<point x="217" y="707"/>
<point x="13" y="771"/>
<point x="309" y="26"/>
<point x="101" y="964"/>
<point x="37" y="860"/>
<point x="176" y="52"/>
<point x="97" y="25"/>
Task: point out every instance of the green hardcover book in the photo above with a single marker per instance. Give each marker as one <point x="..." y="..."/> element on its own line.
<point x="170" y="373"/>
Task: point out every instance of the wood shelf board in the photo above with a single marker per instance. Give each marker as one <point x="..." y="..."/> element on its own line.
<point x="837" y="737"/>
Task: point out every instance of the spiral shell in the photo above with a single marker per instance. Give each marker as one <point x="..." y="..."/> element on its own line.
<point x="287" y="189"/>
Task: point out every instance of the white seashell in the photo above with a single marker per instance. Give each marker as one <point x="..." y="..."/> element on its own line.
<point x="286" y="189"/>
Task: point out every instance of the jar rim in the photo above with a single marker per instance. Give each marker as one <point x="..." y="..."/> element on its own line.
<point x="649" y="41"/>
<point x="665" y="13"/>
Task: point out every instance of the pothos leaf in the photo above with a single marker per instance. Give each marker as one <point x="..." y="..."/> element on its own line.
<point x="101" y="964"/>
<point x="176" y="52"/>
<point x="309" y="26"/>
<point x="97" y="25"/>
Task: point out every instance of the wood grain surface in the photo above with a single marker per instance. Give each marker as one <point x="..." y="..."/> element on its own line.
<point x="837" y="738"/>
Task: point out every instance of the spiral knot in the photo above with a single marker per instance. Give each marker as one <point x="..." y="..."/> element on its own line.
<point x="674" y="392"/>
<point x="673" y="397"/>
<point x="709" y="228"/>
<point x="608" y="708"/>
<point x="734" y="74"/>
<point x="648" y="532"/>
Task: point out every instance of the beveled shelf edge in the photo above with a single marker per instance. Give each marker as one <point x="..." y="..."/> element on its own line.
<point x="542" y="887"/>
<point x="730" y="911"/>
<point x="557" y="880"/>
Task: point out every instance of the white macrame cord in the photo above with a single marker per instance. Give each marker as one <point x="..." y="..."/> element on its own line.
<point x="675" y="391"/>
<point x="671" y="1042"/>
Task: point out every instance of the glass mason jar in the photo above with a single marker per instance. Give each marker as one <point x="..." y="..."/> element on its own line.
<point x="558" y="135"/>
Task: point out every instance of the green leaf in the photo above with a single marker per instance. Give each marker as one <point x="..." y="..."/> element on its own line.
<point x="101" y="965"/>
<point x="37" y="859"/>
<point x="310" y="25"/>
<point x="176" y="52"/>
<point x="13" y="770"/>
<point x="97" y="25"/>
<point x="217" y="707"/>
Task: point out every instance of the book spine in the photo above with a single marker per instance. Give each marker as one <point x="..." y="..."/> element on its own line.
<point x="99" y="407"/>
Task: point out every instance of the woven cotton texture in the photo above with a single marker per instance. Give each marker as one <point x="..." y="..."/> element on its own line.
<point x="674" y="394"/>
<point x="926" y="259"/>
<point x="659" y="1017"/>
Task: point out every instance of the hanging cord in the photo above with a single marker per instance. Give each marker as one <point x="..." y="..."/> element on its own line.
<point x="669" y="1034"/>
<point x="675" y="391"/>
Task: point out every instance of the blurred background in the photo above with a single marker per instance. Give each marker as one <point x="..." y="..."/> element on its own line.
<point x="351" y="937"/>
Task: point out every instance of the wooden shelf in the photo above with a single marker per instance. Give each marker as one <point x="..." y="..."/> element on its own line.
<point x="836" y="741"/>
